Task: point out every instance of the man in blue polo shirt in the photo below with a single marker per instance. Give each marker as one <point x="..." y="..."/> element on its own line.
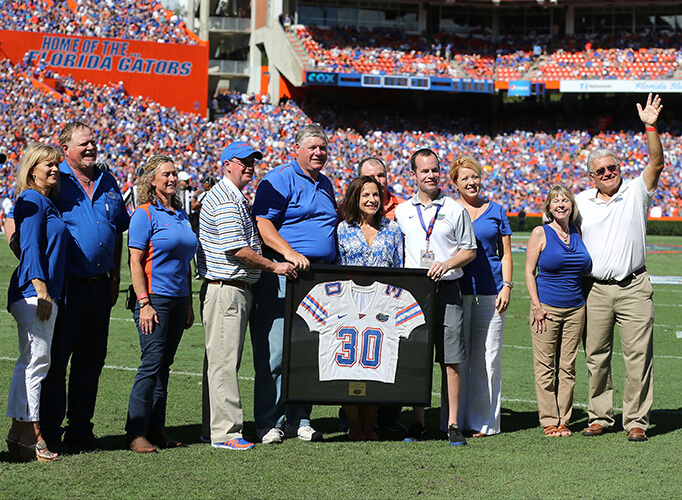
<point x="93" y="209"/>
<point x="295" y="212"/>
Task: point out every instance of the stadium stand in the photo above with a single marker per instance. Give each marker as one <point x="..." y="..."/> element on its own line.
<point x="383" y="51"/>
<point x="521" y="160"/>
<point x="144" y="20"/>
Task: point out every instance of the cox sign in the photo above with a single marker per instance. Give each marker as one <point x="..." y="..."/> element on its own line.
<point x="321" y="79"/>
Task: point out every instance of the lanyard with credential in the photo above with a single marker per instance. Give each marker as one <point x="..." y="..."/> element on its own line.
<point x="428" y="230"/>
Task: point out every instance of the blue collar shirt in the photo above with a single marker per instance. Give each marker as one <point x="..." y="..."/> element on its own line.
<point x="302" y="210"/>
<point x="93" y="224"/>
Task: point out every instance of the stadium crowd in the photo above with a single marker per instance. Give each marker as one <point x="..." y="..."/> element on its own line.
<point x="383" y="51"/>
<point x="144" y="20"/>
<point x="520" y="160"/>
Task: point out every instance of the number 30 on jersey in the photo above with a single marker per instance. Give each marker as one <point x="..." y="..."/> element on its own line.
<point x="368" y="344"/>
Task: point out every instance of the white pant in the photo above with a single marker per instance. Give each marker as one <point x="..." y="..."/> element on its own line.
<point x="480" y="397"/>
<point x="35" y="340"/>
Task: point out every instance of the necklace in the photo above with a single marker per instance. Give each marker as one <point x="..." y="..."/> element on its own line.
<point x="565" y="237"/>
<point x="83" y="179"/>
<point x="476" y="209"/>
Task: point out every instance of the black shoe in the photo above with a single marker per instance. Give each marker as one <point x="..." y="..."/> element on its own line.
<point x="343" y="421"/>
<point x="394" y="427"/>
<point x="455" y="436"/>
<point x="83" y="443"/>
<point x="416" y="433"/>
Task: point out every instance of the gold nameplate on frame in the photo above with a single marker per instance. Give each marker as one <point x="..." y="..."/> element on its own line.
<point x="357" y="389"/>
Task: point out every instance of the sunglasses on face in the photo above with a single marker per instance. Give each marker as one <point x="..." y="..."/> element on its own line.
<point x="249" y="161"/>
<point x="602" y="170"/>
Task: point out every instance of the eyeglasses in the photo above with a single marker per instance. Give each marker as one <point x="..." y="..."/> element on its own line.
<point x="602" y="170"/>
<point x="249" y="161"/>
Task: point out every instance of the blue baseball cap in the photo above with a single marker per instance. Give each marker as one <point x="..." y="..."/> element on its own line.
<point x="239" y="150"/>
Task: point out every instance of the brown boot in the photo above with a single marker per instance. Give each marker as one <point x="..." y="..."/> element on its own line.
<point x="139" y="444"/>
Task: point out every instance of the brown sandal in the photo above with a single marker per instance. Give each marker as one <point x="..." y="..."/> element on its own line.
<point x="552" y="431"/>
<point x="564" y="431"/>
<point x="37" y="452"/>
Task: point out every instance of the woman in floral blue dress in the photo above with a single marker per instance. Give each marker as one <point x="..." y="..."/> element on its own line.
<point x="366" y="238"/>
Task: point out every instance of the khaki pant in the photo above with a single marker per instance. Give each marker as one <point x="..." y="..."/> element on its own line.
<point x="225" y="315"/>
<point x="629" y="305"/>
<point x="554" y="355"/>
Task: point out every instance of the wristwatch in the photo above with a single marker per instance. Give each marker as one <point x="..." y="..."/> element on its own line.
<point x="508" y="283"/>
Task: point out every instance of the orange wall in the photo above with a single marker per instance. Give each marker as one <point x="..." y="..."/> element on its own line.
<point x="171" y="74"/>
<point x="261" y="7"/>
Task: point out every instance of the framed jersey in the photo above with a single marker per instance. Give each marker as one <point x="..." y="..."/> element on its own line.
<point x="359" y="335"/>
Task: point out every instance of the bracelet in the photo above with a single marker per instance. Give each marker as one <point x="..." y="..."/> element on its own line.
<point x="142" y="296"/>
<point x="508" y="283"/>
<point x="650" y="129"/>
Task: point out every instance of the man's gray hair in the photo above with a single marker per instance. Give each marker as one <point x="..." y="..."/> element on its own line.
<point x="312" y="130"/>
<point x="600" y="153"/>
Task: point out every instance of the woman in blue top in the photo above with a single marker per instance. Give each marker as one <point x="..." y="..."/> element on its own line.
<point x="366" y="238"/>
<point x="161" y="244"/>
<point x="486" y="289"/>
<point x="557" y="315"/>
<point x="34" y="291"/>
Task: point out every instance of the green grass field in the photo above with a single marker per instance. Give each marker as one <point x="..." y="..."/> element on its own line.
<point x="519" y="463"/>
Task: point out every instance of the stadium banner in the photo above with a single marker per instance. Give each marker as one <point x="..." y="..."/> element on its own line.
<point x="359" y="335"/>
<point x="621" y="86"/>
<point x="406" y="82"/>
<point x="170" y="74"/>
<point x="519" y="88"/>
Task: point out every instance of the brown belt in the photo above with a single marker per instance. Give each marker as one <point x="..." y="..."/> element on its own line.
<point x="237" y="283"/>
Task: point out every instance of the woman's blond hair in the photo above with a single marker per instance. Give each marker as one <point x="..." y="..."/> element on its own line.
<point x="555" y="191"/>
<point x="146" y="193"/>
<point x="464" y="162"/>
<point x="35" y="153"/>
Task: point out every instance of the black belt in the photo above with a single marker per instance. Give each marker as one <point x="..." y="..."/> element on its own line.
<point x="90" y="279"/>
<point x="624" y="281"/>
<point x="237" y="283"/>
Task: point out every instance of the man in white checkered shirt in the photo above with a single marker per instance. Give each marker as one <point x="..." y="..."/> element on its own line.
<point x="230" y="261"/>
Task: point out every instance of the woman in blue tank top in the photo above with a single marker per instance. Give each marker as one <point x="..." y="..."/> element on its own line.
<point x="557" y="314"/>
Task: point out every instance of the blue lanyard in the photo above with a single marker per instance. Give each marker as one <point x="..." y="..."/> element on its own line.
<point x="428" y="230"/>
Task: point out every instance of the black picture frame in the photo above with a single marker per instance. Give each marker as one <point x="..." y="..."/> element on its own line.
<point x="414" y="373"/>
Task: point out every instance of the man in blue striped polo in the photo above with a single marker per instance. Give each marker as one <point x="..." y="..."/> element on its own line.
<point x="230" y="261"/>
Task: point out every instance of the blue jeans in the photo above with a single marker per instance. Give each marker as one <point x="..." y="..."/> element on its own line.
<point x="267" y="338"/>
<point x="81" y="333"/>
<point x="147" y="406"/>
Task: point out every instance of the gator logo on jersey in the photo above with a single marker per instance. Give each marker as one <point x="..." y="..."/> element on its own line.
<point x="382" y="317"/>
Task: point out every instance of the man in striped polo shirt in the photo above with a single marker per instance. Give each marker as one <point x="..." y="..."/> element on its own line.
<point x="230" y="261"/>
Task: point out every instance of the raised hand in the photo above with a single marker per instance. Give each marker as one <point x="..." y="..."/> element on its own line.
<point x="649" y="114"/>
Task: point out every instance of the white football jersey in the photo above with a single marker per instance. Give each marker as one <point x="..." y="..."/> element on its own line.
<point x="360" y="328"/>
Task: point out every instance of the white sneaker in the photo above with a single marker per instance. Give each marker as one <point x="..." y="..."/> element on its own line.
<point x="303" y="432"/>
<point x="271" y="436"/>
